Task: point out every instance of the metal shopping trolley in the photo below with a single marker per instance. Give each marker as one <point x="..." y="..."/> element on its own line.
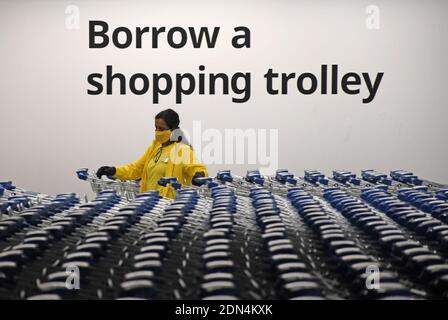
<point x="125" y="189"/>
<point x="14" y="200"/>
<point x="277" y="184"/>
<point x="130" y="189"/>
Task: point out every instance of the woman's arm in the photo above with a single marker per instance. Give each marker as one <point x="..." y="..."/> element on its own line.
<point x="192" y="166"/>
<point x="133" y="170"/>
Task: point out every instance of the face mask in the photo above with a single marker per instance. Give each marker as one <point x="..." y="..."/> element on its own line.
<point x="163" y="136"/>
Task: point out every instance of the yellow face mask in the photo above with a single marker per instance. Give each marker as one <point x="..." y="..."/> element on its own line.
<point x="163" y="136"/>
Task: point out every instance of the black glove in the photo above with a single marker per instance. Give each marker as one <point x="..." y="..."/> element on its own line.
<point x="106" y="171"/>
<point x="197" y="175"/>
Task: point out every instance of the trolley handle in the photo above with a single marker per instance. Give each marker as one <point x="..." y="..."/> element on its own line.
<point x="170" y="181"/>
<point x="82" y="173"/>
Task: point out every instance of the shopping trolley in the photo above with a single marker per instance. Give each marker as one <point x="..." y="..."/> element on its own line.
<point x="399" y="179"/>
<point x="125" y="189"/>
<point x="130" y="189"/>
<point x="278" y="184"/>
<point x="14" y="200"/>
<point x="203" y="185"/>
<point x="254" y="236"/>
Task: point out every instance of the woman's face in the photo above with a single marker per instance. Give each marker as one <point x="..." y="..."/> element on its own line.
<point x="161" y="125"/>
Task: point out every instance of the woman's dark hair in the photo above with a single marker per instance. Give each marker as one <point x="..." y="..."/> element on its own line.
<point x="170" y="117"/>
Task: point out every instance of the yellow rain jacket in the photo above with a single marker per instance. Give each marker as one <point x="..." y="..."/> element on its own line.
<point x="179" y="162"/>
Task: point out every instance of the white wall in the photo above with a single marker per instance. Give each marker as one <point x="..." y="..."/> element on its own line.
<point x="50" y="126"/>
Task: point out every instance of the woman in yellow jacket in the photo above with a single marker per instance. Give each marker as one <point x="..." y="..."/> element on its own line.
<point x="169" y="155"/>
